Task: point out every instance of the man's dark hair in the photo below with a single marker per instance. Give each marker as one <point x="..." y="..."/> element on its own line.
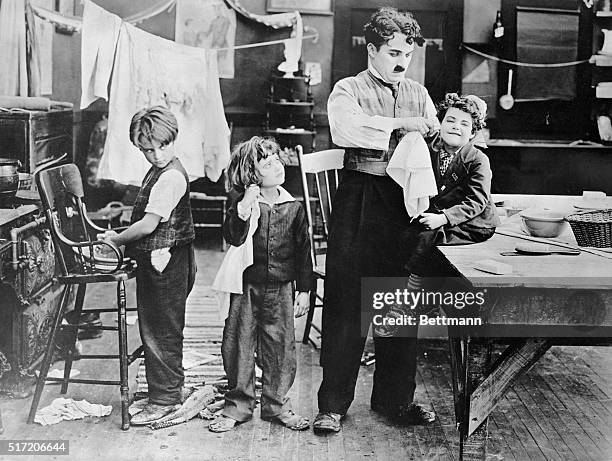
<point x="465" y="104"/>
<point x="387" y="21"/>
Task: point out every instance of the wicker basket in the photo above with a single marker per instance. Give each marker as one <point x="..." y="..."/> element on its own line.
<point x="592" y="228"/>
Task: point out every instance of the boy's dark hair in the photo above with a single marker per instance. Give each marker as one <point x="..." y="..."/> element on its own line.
<point x="465" y="104"/>
<point x="242" y="170"/>
<point x="386" y="21"/>
<point x="155" y="123"/>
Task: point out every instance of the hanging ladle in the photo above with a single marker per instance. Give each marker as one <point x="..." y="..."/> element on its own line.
<point x="506" y="101"/>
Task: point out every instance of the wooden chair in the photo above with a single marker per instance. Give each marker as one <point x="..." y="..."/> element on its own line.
<point x="318" y="170"/>
<point x="77" y="252"/>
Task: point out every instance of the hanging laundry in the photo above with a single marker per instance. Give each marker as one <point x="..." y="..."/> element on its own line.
<point x="150" y="70"/>
<point x="99" y="37"/>
<point x="13" y="71"/>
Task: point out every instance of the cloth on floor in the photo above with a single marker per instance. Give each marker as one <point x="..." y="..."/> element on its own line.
<point x="99" y="36"/>
<point x="191" y="408"/>
<point x="69" y="409"/>
<point x="151" y="70"/>
<point x="410" y="167"/>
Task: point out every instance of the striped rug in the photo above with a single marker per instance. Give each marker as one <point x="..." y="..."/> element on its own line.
<point x="203" y="333"/>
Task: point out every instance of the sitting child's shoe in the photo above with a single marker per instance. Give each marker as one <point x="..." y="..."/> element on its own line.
<point x="290" y="420"/>
<point x="389" y="327"/>
<point x="152" y="412"/>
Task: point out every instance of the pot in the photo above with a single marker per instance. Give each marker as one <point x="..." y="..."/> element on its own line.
<point x="9" y="177"/>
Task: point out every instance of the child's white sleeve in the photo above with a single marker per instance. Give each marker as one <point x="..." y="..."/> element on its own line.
<point x="166" y="193"/>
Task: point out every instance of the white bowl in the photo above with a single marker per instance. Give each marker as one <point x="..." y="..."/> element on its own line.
<point x="542" y="222"/>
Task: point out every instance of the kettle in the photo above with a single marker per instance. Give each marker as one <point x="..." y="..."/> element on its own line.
<point x="9" y="177"/>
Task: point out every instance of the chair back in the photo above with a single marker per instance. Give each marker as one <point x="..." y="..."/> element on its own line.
<point x="61" y="193"/>
<point x="319" y="173"/>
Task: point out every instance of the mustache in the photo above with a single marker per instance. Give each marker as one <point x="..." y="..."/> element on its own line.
<point x="399" y="69"/>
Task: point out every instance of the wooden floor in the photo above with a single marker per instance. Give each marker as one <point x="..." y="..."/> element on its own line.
<point x="561" y="410"/>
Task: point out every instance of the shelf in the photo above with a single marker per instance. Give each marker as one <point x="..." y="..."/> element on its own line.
<point x="291" y="103"/>
<point x="292" y="133"/>
<point x="604" y="14"/>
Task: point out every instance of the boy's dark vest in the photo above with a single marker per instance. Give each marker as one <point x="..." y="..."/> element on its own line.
<point x="178" y="230"/>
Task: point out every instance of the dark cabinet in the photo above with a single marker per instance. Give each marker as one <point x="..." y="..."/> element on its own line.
<point x="34" y="137"/>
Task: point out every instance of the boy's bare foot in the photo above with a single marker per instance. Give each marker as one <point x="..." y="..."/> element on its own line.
<point x="222" y="424"/>
<point x="290" y="420"/>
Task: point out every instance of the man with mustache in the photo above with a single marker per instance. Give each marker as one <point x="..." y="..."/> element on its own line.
<point x="368" y="115"/>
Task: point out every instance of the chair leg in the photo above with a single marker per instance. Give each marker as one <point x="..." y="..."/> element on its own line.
<point x="123" y="355"/>
<point x="44" y="368"/>
<point x="310" y="315"/>
<point x="74" y="334"/>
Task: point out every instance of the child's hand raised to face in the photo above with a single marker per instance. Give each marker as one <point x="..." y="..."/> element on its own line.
<point x="301" y="304"/>
<point x="250" y="195"/>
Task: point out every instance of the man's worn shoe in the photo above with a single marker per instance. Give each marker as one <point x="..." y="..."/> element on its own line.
<point x="409" y="414"/>
<point x="152" y="412"/>
<point x="327" y="422"/>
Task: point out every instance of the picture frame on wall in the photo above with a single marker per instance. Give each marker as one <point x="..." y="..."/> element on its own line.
<point x="324" y="7"/>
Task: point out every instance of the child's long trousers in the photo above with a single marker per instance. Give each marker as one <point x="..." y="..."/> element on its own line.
<point x="260" y="320"/>
<point x="162" y="299"/>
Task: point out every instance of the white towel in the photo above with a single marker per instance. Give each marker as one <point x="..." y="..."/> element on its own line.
<point x="410" y="167"/>
<point x="100" y="32"/>
<point x="229" y="277"/>
<point x="69" y="409"/>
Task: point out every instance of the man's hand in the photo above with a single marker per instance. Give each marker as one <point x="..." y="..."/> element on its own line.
<point x="433" y="220"/>
<point x="301" y="304"/>
<point x="425" y="126"/>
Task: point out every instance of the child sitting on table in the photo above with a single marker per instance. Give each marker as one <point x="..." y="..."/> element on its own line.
<point x="266" y="219"/>
<point x="462" y="212"/>
<point x="160" y="239"/>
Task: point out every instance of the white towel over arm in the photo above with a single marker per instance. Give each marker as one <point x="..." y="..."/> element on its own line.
<point x="229" y="277"/>
<point x="410" y="167"/>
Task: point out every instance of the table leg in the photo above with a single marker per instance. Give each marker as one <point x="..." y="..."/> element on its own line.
<point x="477" y="361"/>
<point x="478" y="386"/>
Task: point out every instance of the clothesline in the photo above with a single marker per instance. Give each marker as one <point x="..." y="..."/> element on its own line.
<point x="314" y="37"/>
<point x="74" y="24"/>
<point x="523" y="64"/>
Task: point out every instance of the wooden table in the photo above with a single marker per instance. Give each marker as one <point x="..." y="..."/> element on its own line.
<point x="547" y="300"/>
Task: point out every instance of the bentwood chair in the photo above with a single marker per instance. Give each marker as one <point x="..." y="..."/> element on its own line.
<point x="319" y="172"/>
<point x="82" y="259"/>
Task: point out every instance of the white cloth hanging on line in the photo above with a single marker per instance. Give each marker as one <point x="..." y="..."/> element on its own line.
<point x="150" y="70"/>
<point x="98" y="44"/>
<point x="13" y="70"/>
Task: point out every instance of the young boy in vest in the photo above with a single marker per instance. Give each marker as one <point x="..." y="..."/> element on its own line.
<point x="160" y="239"/>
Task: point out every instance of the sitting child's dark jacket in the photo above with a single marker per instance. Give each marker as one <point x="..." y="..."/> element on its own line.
<point x="464" y="196"/>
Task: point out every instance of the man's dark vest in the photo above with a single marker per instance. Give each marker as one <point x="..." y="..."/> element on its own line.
<point x="178" y="230"/>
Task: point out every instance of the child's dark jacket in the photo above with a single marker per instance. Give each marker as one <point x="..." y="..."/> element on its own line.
<point x="464" y="192"/>
<point x="281" y="246"/>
